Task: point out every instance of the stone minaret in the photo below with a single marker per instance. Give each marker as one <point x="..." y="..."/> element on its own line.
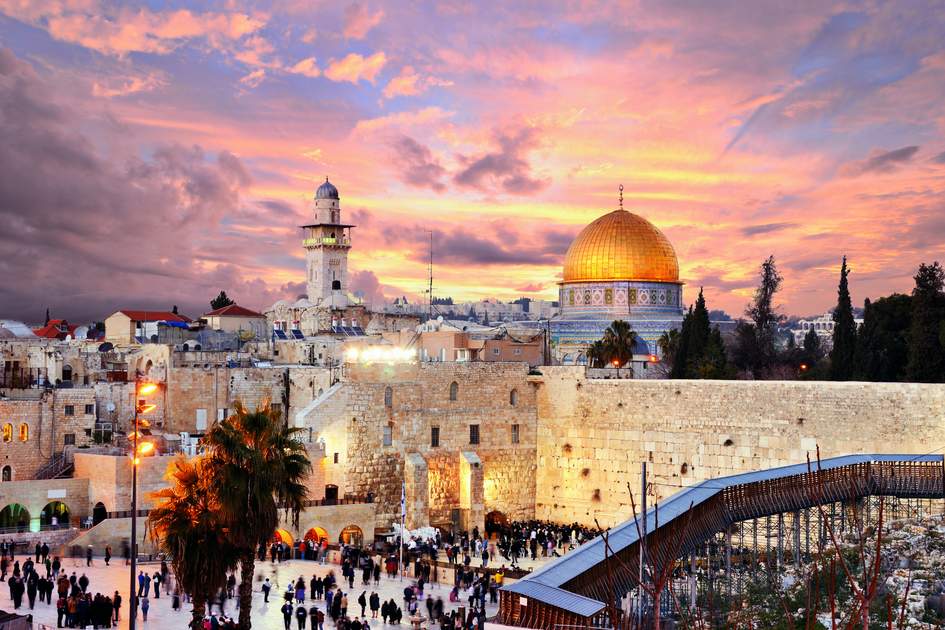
<point x="326" y="243"/>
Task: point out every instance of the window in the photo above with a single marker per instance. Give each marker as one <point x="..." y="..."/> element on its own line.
<point x="474" y="434"/>
<point x="7" y="473"/>
<point x="388" y="435"/>
<point x="336" y="458"/>
<point x="434" y="437"/>
<point x="454" y="390"/>
<point x="201" y="419"/>
<point x="515" y="434"/>
<point x="496" y="351"/>
<point x="388" y="397"/>
<point x="89" y="410"/>
<point x="8" y="432"/>
<point x="24" y="432"/>
<point x="513" y="397"/>
<point x="516" y="351"/>
<point x="221" y="414"/>
<point x="70" y="410"/>
<point x="68" y="439"/>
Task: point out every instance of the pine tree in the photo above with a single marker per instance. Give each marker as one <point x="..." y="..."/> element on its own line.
<point x="220" y="301"/>
<point x="926" y="359"/>
<point x="843" y="353"/>
<point x="754" y="343"/>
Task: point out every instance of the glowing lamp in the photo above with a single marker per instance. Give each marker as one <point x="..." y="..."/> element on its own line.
<point x="145" y="447"/>
<point x="803" y="367"/>
<point x="146" y="408"/>
<point x="146" y="389"/>
<point x="653" y="358"/>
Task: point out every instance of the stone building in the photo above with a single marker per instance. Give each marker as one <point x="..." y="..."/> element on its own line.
<point x="461" y="436"/>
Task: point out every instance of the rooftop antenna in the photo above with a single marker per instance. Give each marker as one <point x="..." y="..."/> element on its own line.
<point x="621" y="196"/>
<point x="430" y="289"/>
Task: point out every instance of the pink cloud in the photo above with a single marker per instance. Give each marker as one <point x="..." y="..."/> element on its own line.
<point x="354" y="67"/>
<point x="409" y="83"/>
<point x="306" y="67"/>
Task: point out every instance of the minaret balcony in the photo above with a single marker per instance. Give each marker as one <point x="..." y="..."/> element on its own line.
<point x="338" y="241"/>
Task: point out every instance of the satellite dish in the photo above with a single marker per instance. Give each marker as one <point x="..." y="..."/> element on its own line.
<point x="82" y="332"/>
<point x="106" y="347"/>
<point x="68" y="337"/>
<point x="110" y="406"/>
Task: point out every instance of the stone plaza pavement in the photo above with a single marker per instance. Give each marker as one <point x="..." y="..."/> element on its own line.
<point x="106" y="580"/>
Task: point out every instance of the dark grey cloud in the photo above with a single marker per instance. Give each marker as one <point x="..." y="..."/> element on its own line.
<point x="504" y="170"/>
<point x="418" y="166"/>
<point x="766" y="228"/>
<point x="86" y="232"/>
<point x="882" y="161"/>
<point x="940" y="158"/>
<point x="277" y="207"/>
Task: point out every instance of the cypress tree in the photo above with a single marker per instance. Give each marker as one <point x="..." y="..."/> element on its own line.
<point x="682" y="355"/>
<point x="926" y="360"/>
<point x="844" y="331"/>
<point x="812" y="346"/>
<point x="882" y="341"/>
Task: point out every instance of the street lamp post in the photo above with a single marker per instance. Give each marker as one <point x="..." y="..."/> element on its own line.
<point x="141" y="389"/>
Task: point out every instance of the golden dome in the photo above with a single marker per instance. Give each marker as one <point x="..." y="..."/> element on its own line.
<point x="621" y="246"/>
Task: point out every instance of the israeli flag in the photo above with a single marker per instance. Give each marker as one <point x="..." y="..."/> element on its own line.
<point x="403" y="498"/>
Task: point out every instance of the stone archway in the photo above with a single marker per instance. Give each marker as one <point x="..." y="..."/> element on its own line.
<point x="282" y="535"/>
<point x="352" y="535"/>
<point x="55" y="515"/>
<point x="316" y="535"/>
<point x="99" y="513"/>
<point x="15" y="516"/>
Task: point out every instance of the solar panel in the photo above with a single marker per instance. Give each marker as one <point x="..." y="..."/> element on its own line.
<point x="348" y="331"/>
<point x="281" y="334"/>
<point x="358" y="331"/>
<point x="297" y="333"/>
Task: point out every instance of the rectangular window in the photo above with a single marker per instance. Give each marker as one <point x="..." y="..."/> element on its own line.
<point x="68" y="439"/>
<point x="70" y="410"/>
<point x="336" y="458"/>
<point x="496" y="351"/>
<point x="89" y="410"/>
<point x="221" y="414"/>
<point x="201" y="419"/>
<point x="474" y="434"/>
<point x="517" y="351"/>
<point x="388" y="435"/>
<point x="515" y="436"/>
<point x="434" y="436"/>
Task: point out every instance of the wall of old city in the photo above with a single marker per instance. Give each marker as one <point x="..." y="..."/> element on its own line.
<point x="354" y="416"/>
<point x="109" y="479"/>
<point x="595" y="433"/>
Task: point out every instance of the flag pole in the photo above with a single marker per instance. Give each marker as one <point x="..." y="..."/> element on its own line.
<point x="403" y="518"/>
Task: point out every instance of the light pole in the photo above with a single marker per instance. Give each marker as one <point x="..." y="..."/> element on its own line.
<point x="142" y="448"/>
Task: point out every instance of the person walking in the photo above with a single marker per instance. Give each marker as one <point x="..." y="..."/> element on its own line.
<point x="362" y="602"/>
<point x="375" y="602"/>
<point x="301" y="614"/>
<point x="266" y="587"/>
<point x="108" y="554"/>
<point x="145" y="607"/>
<point x="116" y="604"/>
<point x="157" y="585"/>
<point x="88" y="556"/>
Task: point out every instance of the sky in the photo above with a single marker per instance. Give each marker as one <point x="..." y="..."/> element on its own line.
<point x="153" y="154"/>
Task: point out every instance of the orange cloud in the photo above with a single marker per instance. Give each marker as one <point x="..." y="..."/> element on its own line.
<point x="354" y="67"/>
<point x="410" y="83"/>
<point x="306" y="67"/>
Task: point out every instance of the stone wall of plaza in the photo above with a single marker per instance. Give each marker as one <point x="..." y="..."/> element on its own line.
<point x="402" y="404"/>
<point x="593" y="434"/>
<point x="52" y="419"/>
<point x="209" y="392"/>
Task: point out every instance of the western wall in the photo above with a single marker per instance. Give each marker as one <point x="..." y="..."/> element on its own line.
<point x="594" y="433"/>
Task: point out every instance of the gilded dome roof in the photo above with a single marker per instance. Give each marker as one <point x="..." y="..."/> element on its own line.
<point x="621" y="246"/>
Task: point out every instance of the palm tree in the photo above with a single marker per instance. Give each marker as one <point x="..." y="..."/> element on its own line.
<point x="259" y="467"/>
<point x="597" y="354"/>
<point x="620" y="339"/>
<point x="185" y="523"/>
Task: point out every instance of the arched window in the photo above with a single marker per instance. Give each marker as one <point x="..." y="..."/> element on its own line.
<point x="336" y="285"/>
<point x="24" y="432"/>
<point x="388" y="397"/>
<point x="454" y="390"/>
<point x="513" y="397"/>
<point x="67" y="372"/>
<point x="7" y="432"/>
<point x="7" y="473"/>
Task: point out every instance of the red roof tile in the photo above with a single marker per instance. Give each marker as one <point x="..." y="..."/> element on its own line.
<point x="154" y="316"/>
<point x="233" y="310"/>
<point x="56" y="329"/>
